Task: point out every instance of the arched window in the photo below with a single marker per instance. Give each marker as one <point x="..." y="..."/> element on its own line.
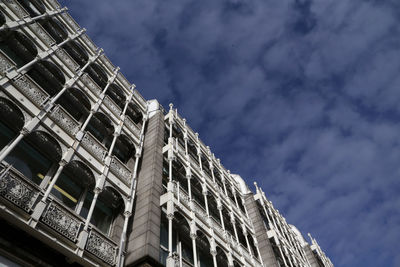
<point x="11" y="121"/>
<point x="34" y="155"/>
<point x="48" y="76"/>
<point x="77" y="52"/>
<point x="98" y="74"/>
<point x="76" y="103"/>
<point x="192" y="150"/>
<point x="18" y="47"/>
<point x="124" y="149"/>
<point x="197" y="191"/>
<point x="242" y="238"/>
<point x="134" y="113"/>
<point x="116" y="94"/>
<point x="179" y="174"/>
<point x="203" y="250"/>
<point x="213" y="208"/>
<point x="227" y="222"/>
<point x="101" y="127"/>
<point x="178" y="134"/>
<point x="73" y="183"/>
<point x="222" y="259"/>
<point x="33" y="7"/>
<point x="240" y="203"/>
<point x="206" y="165"/>
<point x="182" y="231"/>
<point x="218" y="179"/>
<point x="55" y="29"/>
<point x="109" y="205"/>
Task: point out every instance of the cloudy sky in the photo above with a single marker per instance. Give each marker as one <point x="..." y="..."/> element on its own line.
<point x="301" y="96"/>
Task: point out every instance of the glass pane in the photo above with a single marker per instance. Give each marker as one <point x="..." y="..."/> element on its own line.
<point x="6" y="135"/>
<point x="29" y="161"/>
<point x="67" y="190"/>
<point x="102" y="216"/>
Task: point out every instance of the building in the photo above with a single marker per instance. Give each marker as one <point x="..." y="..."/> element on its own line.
<point x="92" y="174"/>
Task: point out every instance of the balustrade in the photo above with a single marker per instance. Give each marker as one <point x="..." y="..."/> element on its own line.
<point x="6" y="64"/>
<point x="31" y="90"/>
<point x="18" y="10"/>
<point x="110" y="104"/>
<point x="42" y="34"/>
<point x="64" y="120"/>
<point x="102" y="247"/>
<point x="94" y="146"/>
<point x="71" y="21"/>
<point x="132" y="126"/>
<point x="120" y="170"/>
<point x="67" y="59"/>
<point x="62" y="220"/>
<point x="92" y="85"/>
<point x="17" y="189"/>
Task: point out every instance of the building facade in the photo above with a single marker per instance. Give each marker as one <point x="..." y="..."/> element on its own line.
<point x="92" y="174"/>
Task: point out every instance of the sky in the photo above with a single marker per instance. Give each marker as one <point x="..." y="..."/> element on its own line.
<point x="300" y="96"/>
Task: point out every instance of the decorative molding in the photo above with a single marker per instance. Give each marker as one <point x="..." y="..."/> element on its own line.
<point x="102" y="248"/>
<point x="62" y="221"/>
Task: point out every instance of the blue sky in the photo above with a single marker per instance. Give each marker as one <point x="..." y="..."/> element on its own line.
<point x="300" y="96"/>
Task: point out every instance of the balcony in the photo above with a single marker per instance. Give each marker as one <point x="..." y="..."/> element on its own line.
<point x="110" y="104"/>
<point x="6" y="64"/>
<point x="93" y="146"/>
<point x="121" y="171"/>
<point x="93" y="87"/>
<point x="18" y="190"/>
<point x="42" y="34"/>
<point x="17" y="9"/>
<point x="102" y="247"/>
<point x="67" y="59"/>
<point x="132" y="127"/>
<point x="31" y="90"/>
<point x="64" y="120"/>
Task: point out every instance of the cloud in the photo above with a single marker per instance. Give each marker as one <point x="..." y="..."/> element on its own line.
<point x="300" y="95"/>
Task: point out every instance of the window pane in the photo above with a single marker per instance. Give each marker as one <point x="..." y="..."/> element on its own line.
<point x="67" y="190"/>
<point x="29" y="161"/>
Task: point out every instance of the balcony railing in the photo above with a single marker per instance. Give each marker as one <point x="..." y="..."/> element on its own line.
<point x="132" y="126"/>
<point x="31" y="90"/>
<point x="94" y="146"/>
<point x="16" y="8"/>
<point x="67" y="59"/>
<point x="62" y="220"/>
<point x="89" y="42"/>
<point x="92" y="85"/>
<point x="70" y="21"/>
<point x="107" y="63"/>
<point x="140" y="98"/>
<point x="6" y="64"/>
<point x="102" y="247"/>
<point x="17" y="189"/>
<point x="42" y="33"/>
<point x="123" y="80"/>
<point x="120" y="170"/>
<point x="65" y="120"/>
<point x="110" y="104"/>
